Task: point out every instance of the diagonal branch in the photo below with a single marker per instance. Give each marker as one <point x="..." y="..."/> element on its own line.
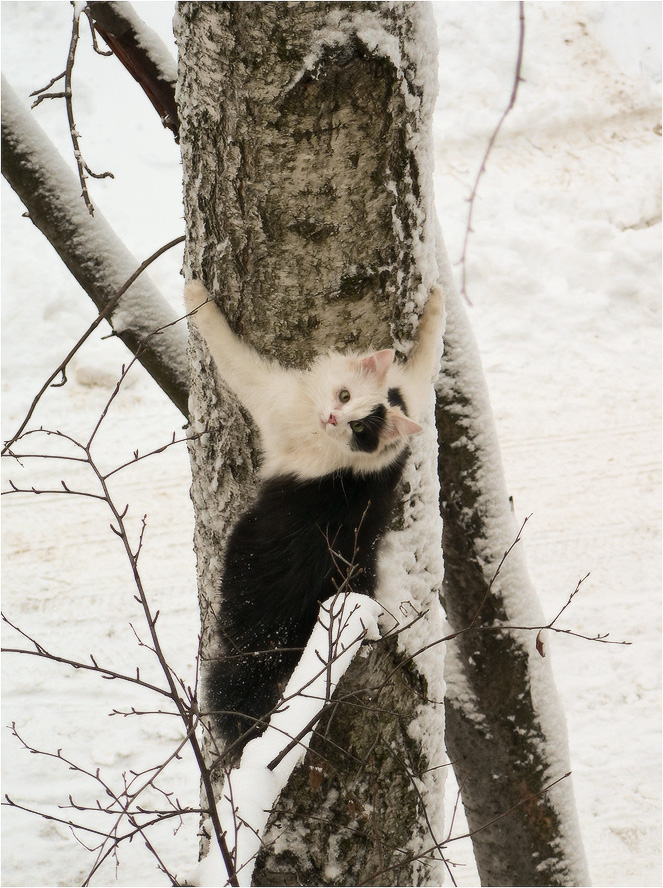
<point x="90" y="249"/>
<point x="142" y="53"/>
<point x="482" y="169"/>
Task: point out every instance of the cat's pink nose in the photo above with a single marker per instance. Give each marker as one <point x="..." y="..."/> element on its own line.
<point x="331" y="420"/>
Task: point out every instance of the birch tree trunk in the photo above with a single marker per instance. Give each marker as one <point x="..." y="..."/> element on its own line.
<point x="506" y="733"/>
<point x="306" y="149"/>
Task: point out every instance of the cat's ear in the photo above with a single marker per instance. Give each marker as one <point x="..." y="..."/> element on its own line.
<point x="378" y="363"/>
<point x="400" y="426"/>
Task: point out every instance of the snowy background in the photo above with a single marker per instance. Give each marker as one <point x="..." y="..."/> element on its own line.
<point x="564" y="278"/>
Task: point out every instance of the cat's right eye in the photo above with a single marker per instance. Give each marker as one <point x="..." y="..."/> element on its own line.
<point x="344" y="396"/>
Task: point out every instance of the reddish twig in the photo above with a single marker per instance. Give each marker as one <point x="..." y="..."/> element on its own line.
<point x="83" y="169"/>
<point x="493" y="138"/>
<point x="121" y="30"/>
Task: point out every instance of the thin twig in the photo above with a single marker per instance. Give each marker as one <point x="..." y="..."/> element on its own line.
<point x="93" y="33"/>
<point x="497" y="571"/>
<point x="83" y="169"/>
<point x="40" y="651"/>
<point x="493" y="138"/>
<point x="138" y="457"/>
<point x="118" y="806"/>
<point x="525" y="801"/>
<point x="103" y="314"/>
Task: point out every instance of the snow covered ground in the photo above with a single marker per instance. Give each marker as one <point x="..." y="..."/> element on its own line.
<point x="564" y="278"/>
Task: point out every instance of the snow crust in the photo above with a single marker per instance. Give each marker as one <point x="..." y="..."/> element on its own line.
<point x="153" y="44"/>
<point x="564" y="277"/>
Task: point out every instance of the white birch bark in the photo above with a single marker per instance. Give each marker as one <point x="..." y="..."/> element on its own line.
<point x="305" y="132"/>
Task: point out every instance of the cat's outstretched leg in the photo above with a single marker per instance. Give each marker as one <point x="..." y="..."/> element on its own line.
<point x="249" y="375"/>
<point x="423" y="364"/>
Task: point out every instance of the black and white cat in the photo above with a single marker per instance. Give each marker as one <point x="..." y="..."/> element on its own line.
<point x="334" y="443"/>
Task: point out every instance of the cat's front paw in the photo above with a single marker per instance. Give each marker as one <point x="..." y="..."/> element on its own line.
<point x="431" y="319"/>
<point x="195" y="294"/>
<point x="435" y="304"/>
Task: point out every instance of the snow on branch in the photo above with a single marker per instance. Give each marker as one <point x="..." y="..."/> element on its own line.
<point x="90" y="249"/>
<point x="143" y="54"/>
<point x="251" y="789"/>
<point x="41" y="94"/>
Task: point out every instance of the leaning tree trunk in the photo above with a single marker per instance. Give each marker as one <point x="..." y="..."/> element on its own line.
<point x="506" y="733"/>
<point x="305" y="132"/>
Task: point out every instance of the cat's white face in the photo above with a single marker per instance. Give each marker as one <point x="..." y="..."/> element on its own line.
<point x="345" y="412"/>
<point x="355" y="410"/>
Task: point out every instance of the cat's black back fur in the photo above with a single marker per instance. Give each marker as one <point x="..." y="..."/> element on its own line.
<point x="281" y="562"/>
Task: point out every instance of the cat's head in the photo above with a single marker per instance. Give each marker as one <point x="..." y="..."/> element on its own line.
<point x="356" y="410"/>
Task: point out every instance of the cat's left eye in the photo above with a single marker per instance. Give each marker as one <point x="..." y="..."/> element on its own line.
<point x="344" y="396"/>
<point x="357" y="426"/>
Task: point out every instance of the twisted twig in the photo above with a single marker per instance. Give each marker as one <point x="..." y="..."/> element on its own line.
<point x="83" y="169"/>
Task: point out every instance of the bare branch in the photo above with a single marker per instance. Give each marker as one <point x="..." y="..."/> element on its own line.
<point x="104" y="314"/>
<point x="138" y="457"/>
<point x="81" y="826"/>
<point x="41" y="651"/>
<point x="482" y="169"/>
<point x="41" y="92"/>
<point x="184" y="706"/>
<point x="83" y="169"/>
<point x="143" y="55"/>
<point x="122" y="806"/>
<point x="522" y="802"/>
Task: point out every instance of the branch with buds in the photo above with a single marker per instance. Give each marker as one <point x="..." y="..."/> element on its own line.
<point x="42" y="94"/>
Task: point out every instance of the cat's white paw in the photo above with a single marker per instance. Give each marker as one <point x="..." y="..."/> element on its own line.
<point x="195" y="294"/>
<point x="435" y="304"/>
<point x="431" y="319"/>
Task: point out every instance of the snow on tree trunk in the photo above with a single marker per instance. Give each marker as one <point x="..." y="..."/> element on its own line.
<point x="506" y="734"/>
<point x="89" y="247"/>
<point x="307" y="161"/>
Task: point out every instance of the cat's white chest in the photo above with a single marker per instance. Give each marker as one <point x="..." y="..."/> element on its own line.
<point x="294" y="438"/>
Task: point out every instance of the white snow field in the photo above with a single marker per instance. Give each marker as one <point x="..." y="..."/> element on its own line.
<point x="564" y="277"/>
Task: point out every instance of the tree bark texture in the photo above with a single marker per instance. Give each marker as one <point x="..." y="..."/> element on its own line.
<point x="506" y="735"/>
<point x="305" y="133"/>
<point x="90" y="249"/>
